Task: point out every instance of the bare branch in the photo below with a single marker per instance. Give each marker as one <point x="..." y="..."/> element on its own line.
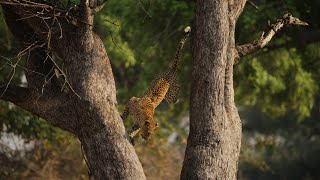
<point x="41" y="97"/>
<point x="64" y="76"/>
<point x="100" y="7"/>
<point x="252" y="4"/>
<point x="44" y="20"/>
<point x="265" y="38"/>
<point x="143" y="8"/>
<point x="25" y="3"/>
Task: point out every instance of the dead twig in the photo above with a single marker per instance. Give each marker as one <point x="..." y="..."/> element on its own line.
<point x="265" y="38"/>
<point x="252" y="4"/>
<point x="64" y="76"/>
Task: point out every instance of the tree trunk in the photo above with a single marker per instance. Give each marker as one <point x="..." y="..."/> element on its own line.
<point x="85" y="103"/>
<point x="100" y="129"/>
<point x="215" y="128"/>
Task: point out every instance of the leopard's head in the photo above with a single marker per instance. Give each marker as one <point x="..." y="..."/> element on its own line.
<point x="148" y="129"/>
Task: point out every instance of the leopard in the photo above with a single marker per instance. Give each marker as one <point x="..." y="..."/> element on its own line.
<point x="164" y="87"/>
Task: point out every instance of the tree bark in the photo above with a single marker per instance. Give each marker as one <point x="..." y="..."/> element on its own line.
<point x="214" y="140"/>
<point x="85" y="103"/>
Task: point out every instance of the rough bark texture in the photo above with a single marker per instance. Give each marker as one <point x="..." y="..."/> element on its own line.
<point x="85" y="103"/>
<point x="215" y="129"/>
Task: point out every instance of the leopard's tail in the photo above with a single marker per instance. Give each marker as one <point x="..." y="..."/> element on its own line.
<point x="171" y="76"/>
<point x="177" y="56"/>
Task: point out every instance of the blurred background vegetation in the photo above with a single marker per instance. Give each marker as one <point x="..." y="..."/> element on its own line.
<point x="277" y="94"/>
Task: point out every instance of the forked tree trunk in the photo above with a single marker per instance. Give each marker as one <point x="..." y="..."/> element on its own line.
<point x="215" y="128"/>
<point x="85" y="103"/>
<point x="87" y="107"/>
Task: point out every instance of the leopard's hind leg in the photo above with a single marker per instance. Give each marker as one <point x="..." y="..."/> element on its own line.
<point x="173" y="92"/>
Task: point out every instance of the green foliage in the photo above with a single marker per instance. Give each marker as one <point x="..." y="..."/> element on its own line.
<point x="277" y="83"/>
<point x="311" y="60"/>
<point x="140" y="42"/>
<point x="118" y="49"/>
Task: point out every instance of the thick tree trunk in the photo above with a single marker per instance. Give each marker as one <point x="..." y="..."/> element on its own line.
<point x="215" y="128"/>
<point x="86" y="106"/>
<point x="100" y="129"/>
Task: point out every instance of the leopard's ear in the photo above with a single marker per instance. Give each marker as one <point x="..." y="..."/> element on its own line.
<point x="157" y="125"/>
<point x="147" y="123"/>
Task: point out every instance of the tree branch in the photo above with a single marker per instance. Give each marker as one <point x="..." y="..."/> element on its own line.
<point x="39" y="68"/>
<point x="54" y="108"/>
<point x="265" y="38"/>
<point x="99" y="7"/>
<point x="13" y="93"/>
<point x="253" y="5"/>
<point x="40" y="72"/>
<point x="86" y="13"/>
<point x="47" y="20"/>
